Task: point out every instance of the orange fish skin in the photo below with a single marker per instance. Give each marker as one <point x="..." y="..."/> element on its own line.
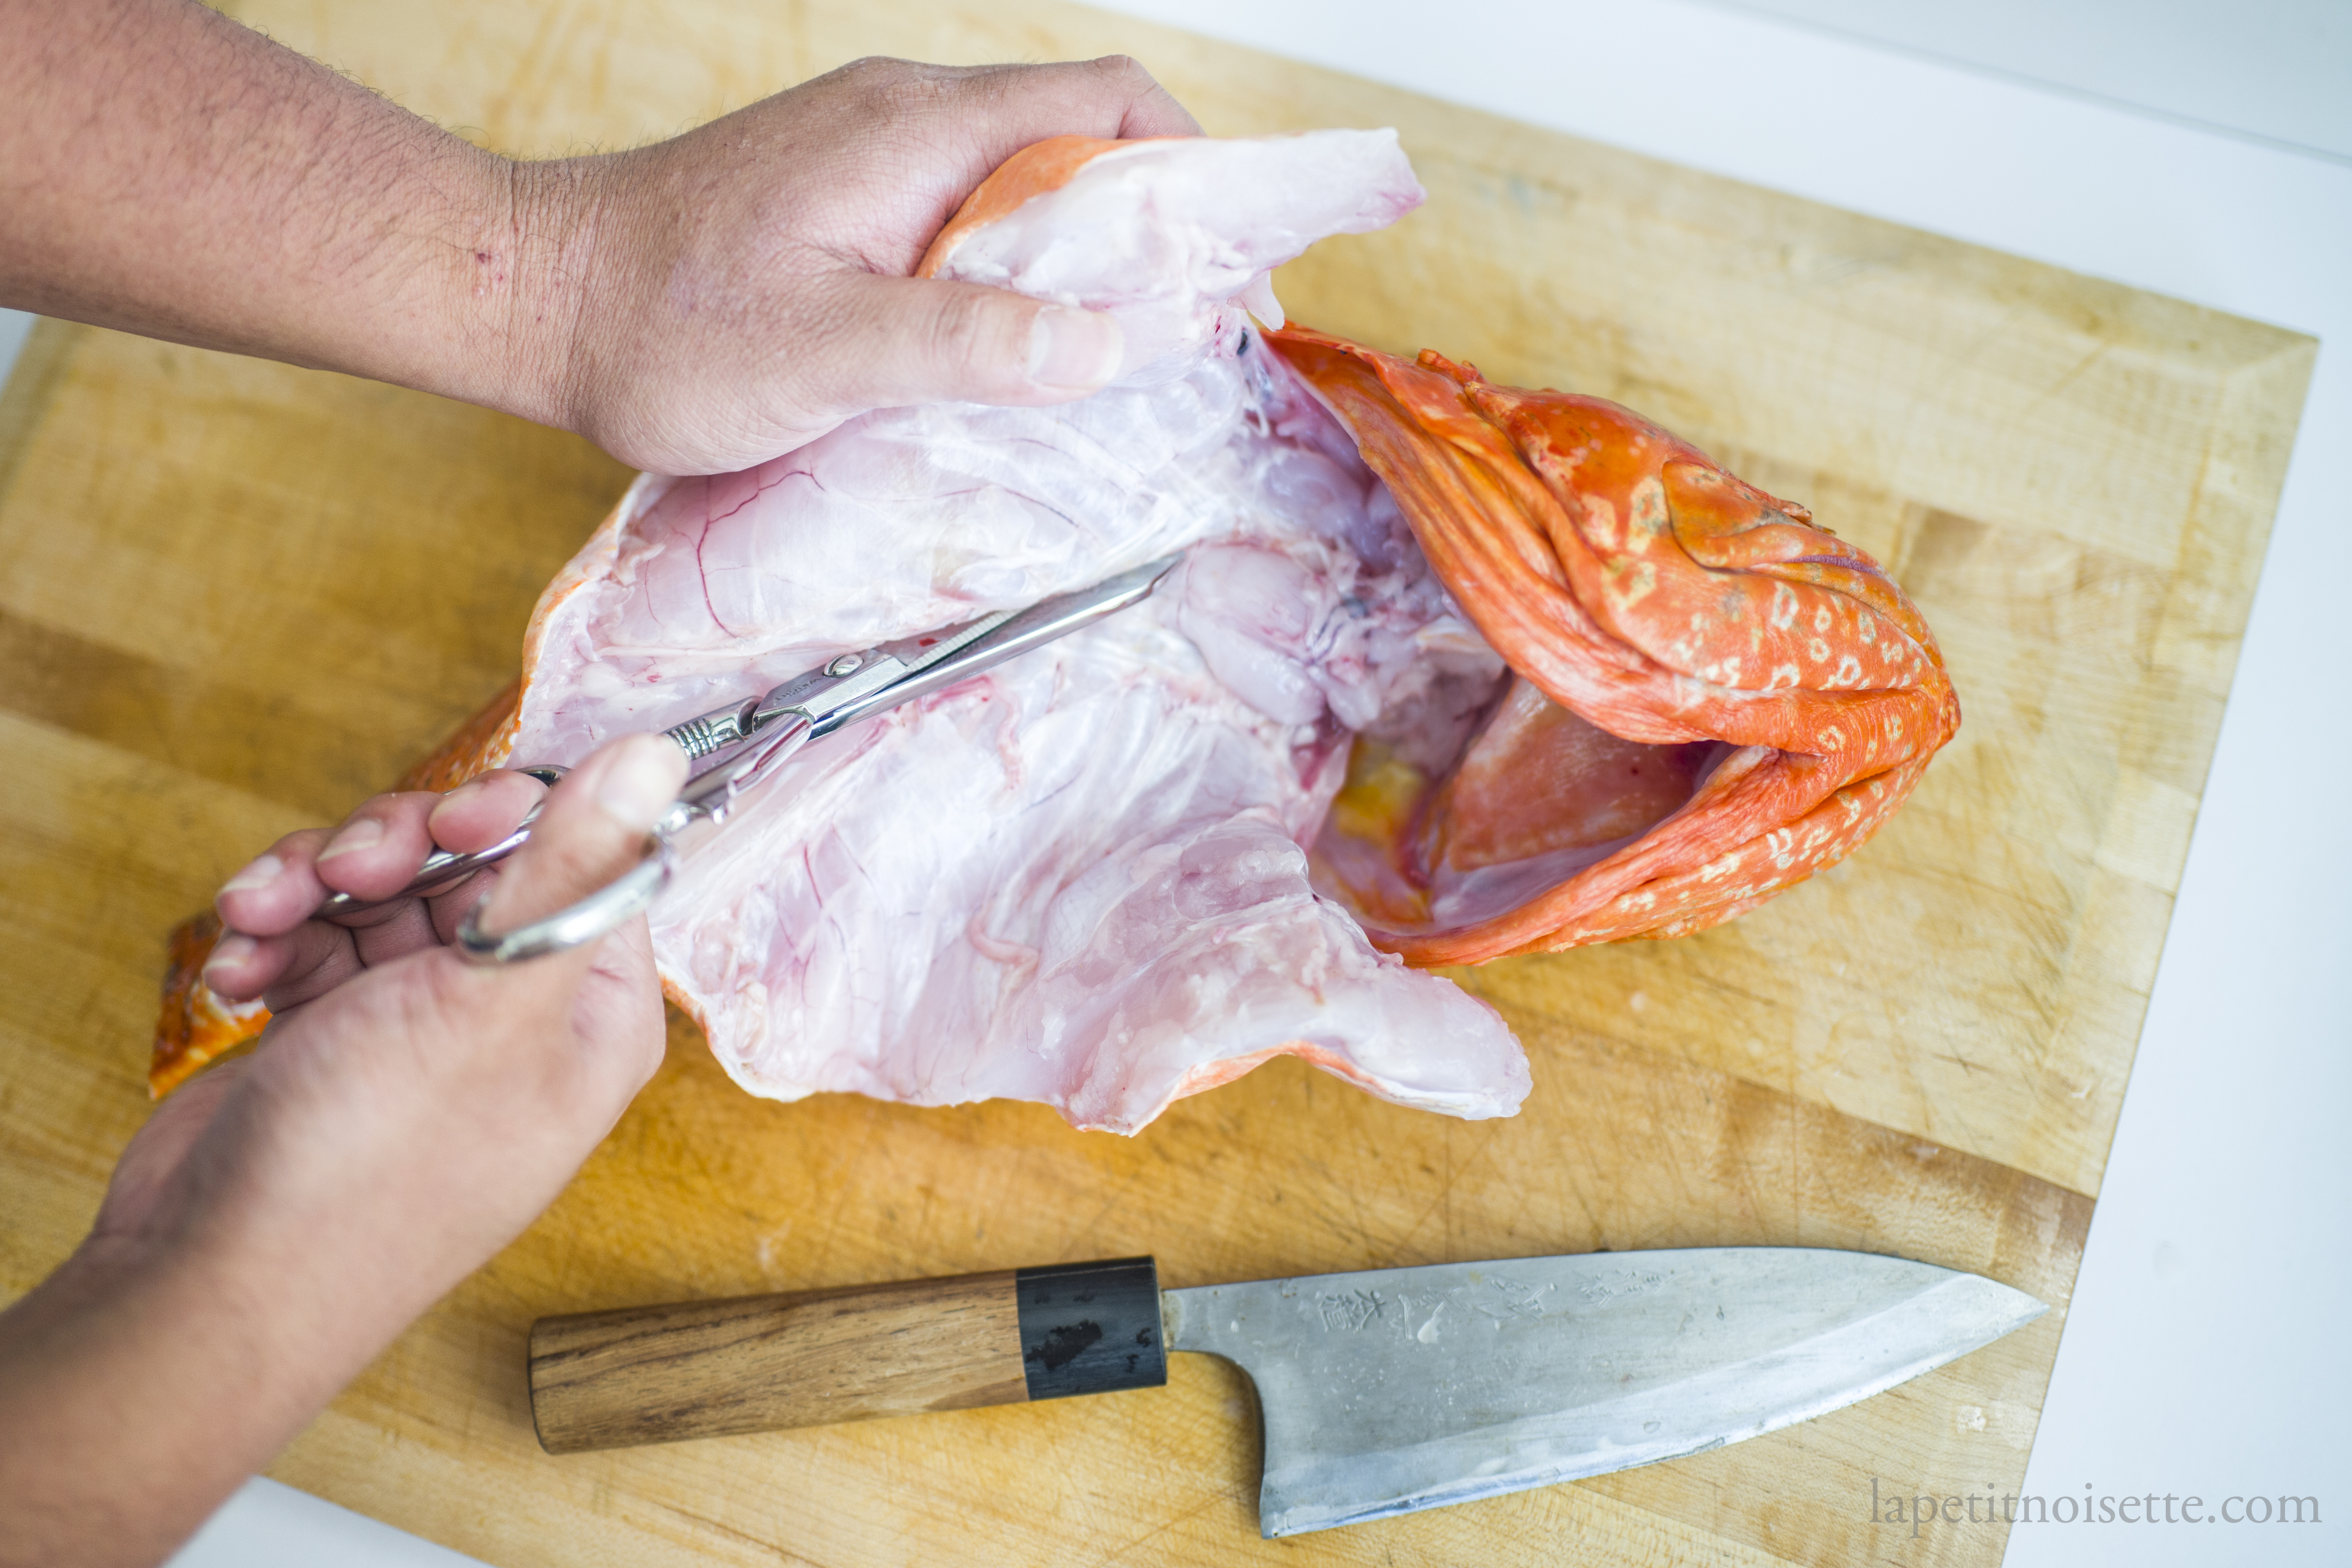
<point x="1638" y="584"/>
<point x="1036" y="169"/>
<point x="196" y="1027"/>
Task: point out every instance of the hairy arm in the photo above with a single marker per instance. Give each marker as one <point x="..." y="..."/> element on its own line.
<point x="170" y="172"/>
<point x="698" y="305"/>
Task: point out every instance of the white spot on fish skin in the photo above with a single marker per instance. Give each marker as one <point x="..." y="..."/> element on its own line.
<point x="1600" y="522"/>
<point x="1717" y="869"/>
<point x="1784" y="614"/>
<point x="1786" y="672"/>
<point x="1833" y="738"/>
<point x="1630" y="581"/>
<point x="1650" y="507"/>
<point x="1817" y="650"/>
<point x="1821" y="619"/>
<point x="1849" y="670"/>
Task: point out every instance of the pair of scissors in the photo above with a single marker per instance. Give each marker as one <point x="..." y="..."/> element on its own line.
<point x="734" y="747"/>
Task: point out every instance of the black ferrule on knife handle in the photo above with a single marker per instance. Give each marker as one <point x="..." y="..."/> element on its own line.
<point x="1092" y="1328"/>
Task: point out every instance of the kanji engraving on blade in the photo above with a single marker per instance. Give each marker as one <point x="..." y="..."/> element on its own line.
<point x="1520" y="1300"/>
<point x="1629" y="1282"/>
<point x="1350" y="1309"/>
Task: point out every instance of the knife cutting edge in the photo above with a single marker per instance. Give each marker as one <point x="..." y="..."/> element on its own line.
<point x="1384" y="1392"/>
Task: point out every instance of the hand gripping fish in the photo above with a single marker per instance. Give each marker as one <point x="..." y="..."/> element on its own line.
<point x="1449" y="670"/>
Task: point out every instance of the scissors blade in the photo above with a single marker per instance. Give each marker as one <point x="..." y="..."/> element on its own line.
<point x="932" y="661"/>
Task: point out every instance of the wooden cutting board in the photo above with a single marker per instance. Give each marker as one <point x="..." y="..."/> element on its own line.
<point x="236" y="597"/>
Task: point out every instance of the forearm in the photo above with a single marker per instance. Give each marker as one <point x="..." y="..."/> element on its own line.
<point x="170" y="172"/>
<point x="137" y="1390"/>
<point x="163" y="1364"/>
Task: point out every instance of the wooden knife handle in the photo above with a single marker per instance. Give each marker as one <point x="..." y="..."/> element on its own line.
<point x="805" y="1358"/>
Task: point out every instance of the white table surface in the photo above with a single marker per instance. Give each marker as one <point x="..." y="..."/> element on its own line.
<point x="2206" y="1352"/>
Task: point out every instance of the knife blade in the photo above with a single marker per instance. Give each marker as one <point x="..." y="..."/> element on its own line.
<point x="1383" y="1392"/>
<point x="1400" y="1389"/>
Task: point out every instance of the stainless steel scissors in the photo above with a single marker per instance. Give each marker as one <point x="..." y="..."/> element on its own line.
<point x="745" y="743"/>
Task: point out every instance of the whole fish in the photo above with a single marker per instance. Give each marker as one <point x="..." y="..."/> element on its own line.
<point x="1450" y="670"/>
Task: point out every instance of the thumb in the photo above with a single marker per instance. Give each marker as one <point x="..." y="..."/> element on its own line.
<point x="901" y="341"/>
<point x="592" y="831"/>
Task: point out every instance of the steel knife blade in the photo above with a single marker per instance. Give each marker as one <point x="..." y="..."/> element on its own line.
<point x="1400" y="1389"/>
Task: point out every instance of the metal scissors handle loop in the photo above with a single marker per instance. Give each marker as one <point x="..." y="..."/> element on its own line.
<point x="594" y="917"/>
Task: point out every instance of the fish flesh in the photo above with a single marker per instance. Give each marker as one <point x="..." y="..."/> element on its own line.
<point x="1449" y="670"/>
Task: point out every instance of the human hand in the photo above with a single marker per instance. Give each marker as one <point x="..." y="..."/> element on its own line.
<point x="422" y="1098"/>
<point x="698" y="306"/>
<point x="744" y="287"/>
<point x="283" y="1217"/>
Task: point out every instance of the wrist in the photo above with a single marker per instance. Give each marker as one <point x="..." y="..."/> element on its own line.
<point x="544" y="281"/>
<point x="520" y="277"/>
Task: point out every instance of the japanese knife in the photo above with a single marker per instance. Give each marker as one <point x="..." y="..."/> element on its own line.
<point x="1384" y="1392"/>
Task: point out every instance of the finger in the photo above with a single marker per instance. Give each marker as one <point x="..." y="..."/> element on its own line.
<point x="887" y="343"/>
<point x="241" y="967"/>
<point x="1151" y="110"/>
<point x="396" y="930"/>
<point x="448" y="909"/>
<point x="593" y="830"/>
<point x="288" y="968"/>
<point x="482" y="811"/>
<point x="379" y="847"/>
<point x="277" y="890"/>
<point x="309" y="962"/>
<point x="996" y="110"/>
<point x="285" y="971"/>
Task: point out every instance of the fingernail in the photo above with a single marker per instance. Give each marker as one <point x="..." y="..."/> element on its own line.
<point x="232" y="952"/>
<point x="364" y="834"/>
<point x="1074" y="350"/>
<point x="640" y="780"/>
<point x="259" y="874"/>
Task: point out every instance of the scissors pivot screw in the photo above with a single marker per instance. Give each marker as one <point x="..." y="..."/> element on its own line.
<point x="845" y="663"/>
